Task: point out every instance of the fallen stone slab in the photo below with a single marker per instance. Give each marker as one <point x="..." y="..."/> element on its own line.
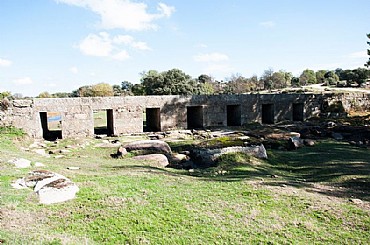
<point x="154" y="160"/>
<point x="49" y="186"/>
<point x="57" y="191"/>
<point x="150" y="146"/>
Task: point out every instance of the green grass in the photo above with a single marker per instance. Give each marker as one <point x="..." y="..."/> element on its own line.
<point x="237" y="202"/>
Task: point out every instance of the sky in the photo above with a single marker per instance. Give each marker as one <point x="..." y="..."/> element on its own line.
<point x="61" y="45"/>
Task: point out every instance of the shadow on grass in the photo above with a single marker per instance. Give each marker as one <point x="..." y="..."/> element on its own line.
<point x="343" y="169"/>
<point x="336" y="164"/>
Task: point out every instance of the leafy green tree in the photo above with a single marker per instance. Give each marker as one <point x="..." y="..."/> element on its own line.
<point x="45" y="94"/>
<point x="295" y="82"/>
<point x="138" y="89"/>
<point x="102" y="90"/>
<point x="266" y="78"/>
<point x="331" y="78"/>
<point x="281" y="79"/>
<point x="307" y="77"/>
<point x="61" y="95"/>
<point x="5" y="94"/>
<point x="85" y="91"/>
<point x="205" y="85"/>
<point x="320" y="76"/>
<point x="172" y="82"/>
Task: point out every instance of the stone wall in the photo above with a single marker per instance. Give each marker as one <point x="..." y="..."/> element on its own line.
<point x="174" y="111"/>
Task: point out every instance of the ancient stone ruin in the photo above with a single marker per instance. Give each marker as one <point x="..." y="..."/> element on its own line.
<point x="136" y="114"/>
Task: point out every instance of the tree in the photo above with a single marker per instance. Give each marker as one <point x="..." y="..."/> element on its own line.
<point x="85" y="91"/>
<point x="45" y="94"/>
<point x="117" y="90"/>
<point x="102" y="90"/>
<point x="320" y="76"/>
<point x="266" y="78"/>
<point x="171" y="82"/>
<point x="331" y="78"/>
<point x="367" y="64"/>
<point x="281" y="79"/>
<point x="5" y="94"/>
<point x="307" y="77"/>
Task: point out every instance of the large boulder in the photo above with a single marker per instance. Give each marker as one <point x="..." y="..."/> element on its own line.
<point x="207" y="157"/>
<point x="50" y="187"/>
<point x="154" y="160"/>
<point x="149" y="146"/>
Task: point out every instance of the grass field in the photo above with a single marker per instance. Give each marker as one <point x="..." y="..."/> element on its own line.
<point x="300" y="197"/>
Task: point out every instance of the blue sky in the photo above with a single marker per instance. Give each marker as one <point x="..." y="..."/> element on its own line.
<point x="60" y="45"/>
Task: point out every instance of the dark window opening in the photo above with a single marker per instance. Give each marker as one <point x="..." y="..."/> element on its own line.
<point x="103" y="122"/>
<point x="233" y="115"/>
<point x="298" y="111"/>
<point x="268" y="114"/>
<point x="51" y="123"/>
<point x="152" y="120"/>
<point x="194" y="117"/>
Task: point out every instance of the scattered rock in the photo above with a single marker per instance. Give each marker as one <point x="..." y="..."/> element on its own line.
<point x="274" y="176"/>
<point x="331" y="124"/>
<point x="39" y="164"/>
<point x="59" y="156"/>
<point x="308" y="142"/>
<point x="73" y="168"/>
<point x="50" y="187"/>
<point x="41" y="152"/>
<point x="244" y="138"/>
<point x="154" y="160"/>
<point x="337" y="136"/>
<point x="64" y="151"/>
<point x="177" y="157"/>
<point x="295" y="143"/>
<point x="121" y="151"/>
<point x="149" y="146"/>
<point x="356" y="201"/>
<point x="20" y="162"/>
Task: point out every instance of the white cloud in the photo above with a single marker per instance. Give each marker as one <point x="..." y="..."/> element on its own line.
<point x="268" y="24"/>
<point x="74" y="70"/>
<point x="165" y="9"/>
<point x="358" y="55"/>
<point x="211" y="57"/>
<point x="123" y="14"/>
<point x="130" y="41"/>
<point x="103" y="45"/>
<point x="122" y="55"/>
<point x="5" y="63"/>
<point x="96" y="45"/>
<point x="23" y="81"/>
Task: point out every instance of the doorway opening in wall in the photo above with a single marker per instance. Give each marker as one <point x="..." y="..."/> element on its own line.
<point x="51" y="123"/>
<point x="298" y="112"/>
<point x="152" y="120"/>
<point x="194" y="115"/>
<point x="268" y="114"/>
<point x="233" y="115"/>
<point x="103" y="122"/>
